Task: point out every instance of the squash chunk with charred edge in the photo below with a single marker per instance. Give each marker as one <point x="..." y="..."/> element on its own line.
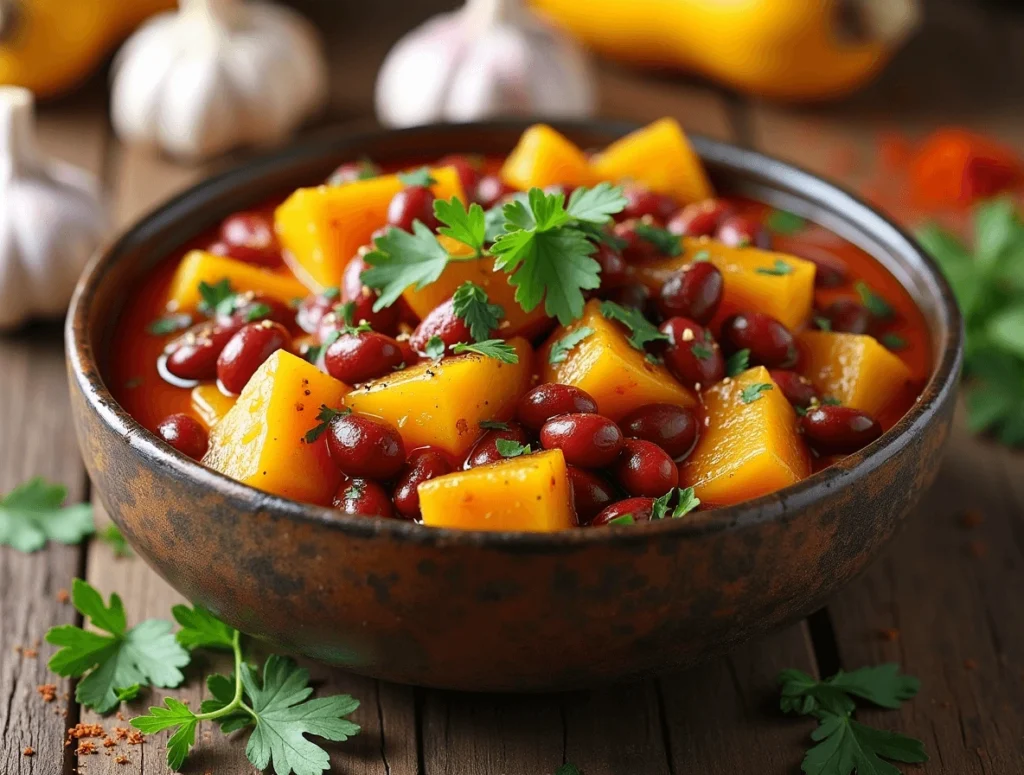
<point x="606" y="365"/>
<point x="749" y="446"/>
<point x="443" y="403"/>
<point x="530" y="492"/>
<point x="660" y="157"/>
<point x="776" y="284"/>
<point x="261" y="440"/>
<point x="201" y="267"/>
<point x="210" y="403"/>
<point x="855" y="369"/>
<point x="322" y="228"/>
<point x="543" y="157"/>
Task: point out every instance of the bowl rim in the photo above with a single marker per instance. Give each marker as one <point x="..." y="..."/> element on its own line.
<point x="86" y="374"/>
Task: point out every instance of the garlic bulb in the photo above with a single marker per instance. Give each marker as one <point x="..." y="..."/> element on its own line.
<point x="217" y="74"/>
<point x="490" y="58"/>
<point x="51" y="219"/>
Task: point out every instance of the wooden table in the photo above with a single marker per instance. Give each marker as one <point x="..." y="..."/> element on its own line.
<point x="943" y="600"/>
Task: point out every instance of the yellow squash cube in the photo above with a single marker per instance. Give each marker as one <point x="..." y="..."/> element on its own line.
<point x="442" y="404"/>
<point x="776" y="284"/>
<point x="660" y="157"/>
<point x="261" y="440"/>
<point x="543" y="157"/>
<point x="854" y="369"/>
<point x="607" y="366"/>
<point x="210" y="403"/>
<point x="201" y="267"/>
<point x="530" y="492"/>
<point x="321" y="228"/>
<point x="745" y="450"/>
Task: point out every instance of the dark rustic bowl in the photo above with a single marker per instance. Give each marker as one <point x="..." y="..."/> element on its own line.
<point x="499" y="611"/>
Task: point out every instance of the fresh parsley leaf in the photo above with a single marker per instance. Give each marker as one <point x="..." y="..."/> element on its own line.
<point x="403" y="260"/>
<point x="666" y="243"/>
<point x="784" y="222"/>
<point x="685" y="502"/>
<point x="470" y="303"/>
<point x="467" y="226"/>
<point x="169" y="324"/>
<point x="201" y="629"/>
<point x="418" y="177"/>
<point x="561" y="348"/>
<point x="34" y="512"/>
<point x="145" y="654"/>
<point x="1005" y="330"/>
<point x="641" y="329"/>
<point x="511" y="448"/>
<point x="737" y="363"/>
<point x="347" y="312"/>
<point x="568" y="769"/>
<point x="215" y="298"/>
<point x="494" y="219"/>
<point x="492" y="348"/>
<point x="623" y="519"/>
<point x="114" y="538"/>
<point x="257" y="312"/>
<point x="822" y="323"/>
<point x="325" y="416"/>
<point x="596" y="205"/>
<point x="128" y="693"/>
<point x="894" y="341"/>
<point x="493" y="425"/>
<point x="752" y="393"/>
<point x="845" y="746"/>
<point x="778" y="269"/>
<point x="174" y="714"/>
<point x="434" y="348"/>
<point x="876" y="305"/>
<point x="882" y="685"/>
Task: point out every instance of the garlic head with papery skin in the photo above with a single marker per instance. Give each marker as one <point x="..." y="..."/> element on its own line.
<point x="51" y="219"/>
<point x="490" y="58"/>
<point x="217" y="74"/>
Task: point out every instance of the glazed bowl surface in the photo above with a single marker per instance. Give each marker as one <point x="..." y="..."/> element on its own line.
<point x="499" y="611"/>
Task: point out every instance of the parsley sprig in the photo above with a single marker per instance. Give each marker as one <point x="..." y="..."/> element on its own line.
<point x="562" y="347"/>
<point x="641" y="329"/>
<point x="470" y="303"/>
<point x="34" y="513"/>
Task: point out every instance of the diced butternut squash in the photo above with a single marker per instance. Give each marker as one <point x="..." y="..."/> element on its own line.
<point x="616" y="374"/>
<point x="198" y="266"/>
<point x="855" y="369"/>
<point x="543" y="157"/>
<point x="776" y="284"/>
<point x="442" y="404"/>
<point x="261" y="440"/>
<point x="660" y="157"/>
<point x="747" y="448"/>
<point x="210" y="403"/>
<point x="530" y="493"/>
<point x="321" y="228"/>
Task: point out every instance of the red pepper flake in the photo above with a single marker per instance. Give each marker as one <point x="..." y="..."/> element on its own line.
<point x="108" y="742"/>
<point x="47" y="691"/>
<point x="889" y="634"/>
<point x="28" y="751"/>
<point x="85" y="748"/>
<point x="136" y="738"/>
<point x="120" y="733"/>
<point x="63" y="596"/>
<point x="122" y="759"/>
<point x="78" y="731"/>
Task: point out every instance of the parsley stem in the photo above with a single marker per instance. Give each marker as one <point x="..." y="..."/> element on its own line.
<point x="236" y="701"/>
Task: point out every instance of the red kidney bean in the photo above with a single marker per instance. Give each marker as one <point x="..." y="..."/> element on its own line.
<point x="692" y="354"/>
<point x="590" y="493"/>
<point x="441" y="322"/>
<point x="363" y="498"/>
<point x="550" y="400"/>
<point x="365" y="446"/>
<point x="642" y="201"/>
<point x="645" y="469"/>
<point x="250" y="237"/>
<point x="486" y="449"/>
<point x="412" y="203"/>
<point x="769" y="342"/>
<point x="700" y="219"/>
<point x="638" y="508"/>
<point x="491" y="190"/>
<point x="693" y="292"/>
<point x="193" y="355"/>
<point x="247" y="350"/>
<point x="355" y="358"/>
<point x="423" y="465"/>
<point x="847" y="316"/>
<point x="614" y="269"/>
<point x="251" y="307"/>
<point x="632" y="295"/>
<point x="314" y="309"/>
<point x="586" y="440"/>
<point x="352" y="289"/>
<point x="797" y="389"/>
<point x="671" y="427"/>
<point x="185" y="434"/>
<point x="469" y="175"/>
<point x="742" y="231"/>
<point x="837" y="429"/>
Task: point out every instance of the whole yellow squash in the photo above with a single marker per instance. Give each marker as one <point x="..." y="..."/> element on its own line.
<point x="49" y="46"/>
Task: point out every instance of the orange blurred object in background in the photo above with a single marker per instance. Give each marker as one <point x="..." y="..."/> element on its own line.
<point x="954" y="168"/>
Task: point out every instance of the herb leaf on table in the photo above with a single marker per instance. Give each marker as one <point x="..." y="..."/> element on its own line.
<point x="34" y="512"/>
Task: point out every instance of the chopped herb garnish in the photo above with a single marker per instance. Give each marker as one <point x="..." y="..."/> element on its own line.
<point x="511" y="448"/>
<point x="752" y="393"/>
<point x="784" y="222"/>
<point x="623" y="519"/>
<point x="331" y="293"/>
<point x="701" y="351"/>
<point x="701" y="255"/>
<point x="876" y="305"/>
<point x="314" y="351"/>
<point x="470" y="303"/>
<point x="34" y="513"/>
<point x="737" y="363"/>
<point x="217" y="298"/>
<point x="654" y="359"/>
<point x="418" y="177"/>
<point x="402" y="260"/>
<point x="831" y="401"/>
<point x="467" y="226"/>
<point x="257" y="312"/>
<point x="434" y="348"/>
<point x="685" y="502"/>
<point x="779" y="268"/>
<point x="561" y="348"/>
<point x="325" y="416"/>
<point x="366" y="170"/>
<point x="492" y="348"/>
<point x="894" y="341"/>
<point x="641" y="329"/>
<point x="169" y="324"/>
<point x="347" y="313"/>
<point x="493" y="425"/>
<point x="823" y="324"/>
<point x="667" y="243"/>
